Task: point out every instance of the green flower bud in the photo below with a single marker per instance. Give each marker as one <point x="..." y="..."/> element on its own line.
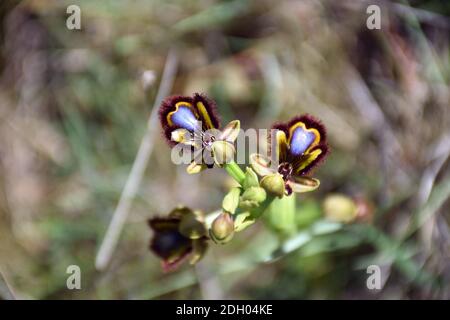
<point x="340" y="208"/>
<point x="222" y="228"/>
<point x="273" y="184"/>
<point x="231" y="200"/>
<point x="223" y="152"/>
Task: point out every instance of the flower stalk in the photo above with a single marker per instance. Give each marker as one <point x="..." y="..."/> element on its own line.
<point x="235" y="172"/>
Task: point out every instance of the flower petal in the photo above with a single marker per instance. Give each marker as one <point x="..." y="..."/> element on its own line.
<point x="231" y="131"/>
<point x="202" y="160"/>
<point x="168" y="243"/>
<point x="303" y="184"/>
<point x="192" y="225"/>
<point x="310" y="159"/>
<point x="179" y="212"/>
<point x="281" y="146"/>
<point x="184" y="136"/>
<point x="195" y="167"/>
<point x="207" y="111"/>
<point x="261" y="164"/>
<point x="199" y="248"/>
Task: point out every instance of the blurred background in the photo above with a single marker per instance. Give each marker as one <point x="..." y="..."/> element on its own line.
<point x="75" y="106"/>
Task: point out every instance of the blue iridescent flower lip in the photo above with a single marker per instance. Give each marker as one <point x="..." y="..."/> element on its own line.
<point x="194" y="114"/>
<point x="184" y="117"/>
<point x="301" y="140"/>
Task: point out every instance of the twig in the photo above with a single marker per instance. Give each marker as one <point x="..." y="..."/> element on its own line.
<point x="439" y="195"/>
<point x="369" y="109"/>
<point x="422" y="15"/>
<point x="137" y="171"/>
<point x="8" y="292"/>
<point x="440" y="154"/>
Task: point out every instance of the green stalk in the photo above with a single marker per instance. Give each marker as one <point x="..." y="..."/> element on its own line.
<point x="235" y="171"/>
<point x="281" y="216"/>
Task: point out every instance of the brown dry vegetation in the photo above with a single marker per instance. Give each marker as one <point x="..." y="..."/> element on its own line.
<point x="73" y="111"/>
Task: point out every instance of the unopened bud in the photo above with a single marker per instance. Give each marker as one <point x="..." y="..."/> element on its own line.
<point x="340" y="208"/>
<point x="222" y="228"/>
<point x="273" y="184"/>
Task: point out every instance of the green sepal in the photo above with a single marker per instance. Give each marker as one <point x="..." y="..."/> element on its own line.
<point x="252" y="197"/>
<point x="192" y="225"/>
<point x="251" y="179"/>
<point x="242" y="221"/>
<point x="231" y="200"/>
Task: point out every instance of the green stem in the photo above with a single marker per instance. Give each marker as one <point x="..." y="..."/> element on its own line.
<point x="235" y="172"/>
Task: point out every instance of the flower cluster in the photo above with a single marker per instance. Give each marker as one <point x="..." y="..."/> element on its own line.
<point x="192" y="122"/>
